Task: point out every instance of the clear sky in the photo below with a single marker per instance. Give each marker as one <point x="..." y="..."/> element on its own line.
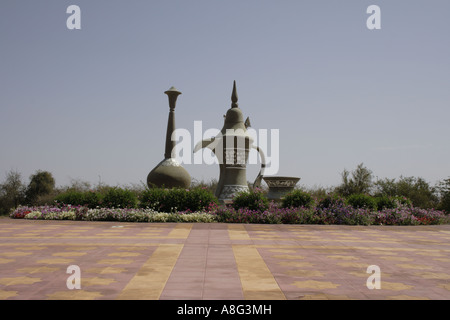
<point x="89" y="104"/>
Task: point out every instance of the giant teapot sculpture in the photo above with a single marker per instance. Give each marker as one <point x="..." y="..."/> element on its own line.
<point x="231" y="147"/>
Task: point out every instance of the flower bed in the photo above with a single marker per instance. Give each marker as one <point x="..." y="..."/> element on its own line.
<point x="107" y="214"/>
<point x="47" y="212"/>
<point x="336" y="213"/>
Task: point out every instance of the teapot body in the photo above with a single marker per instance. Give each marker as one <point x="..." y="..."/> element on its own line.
<point x="233" y="166"/>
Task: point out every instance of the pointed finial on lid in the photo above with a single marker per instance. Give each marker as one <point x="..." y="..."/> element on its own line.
<point x="234" y="97"/>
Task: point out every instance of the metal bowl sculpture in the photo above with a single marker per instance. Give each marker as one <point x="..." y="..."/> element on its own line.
<point x="280" y="186"/>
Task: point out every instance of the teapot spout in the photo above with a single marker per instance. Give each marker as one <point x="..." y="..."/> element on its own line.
<point x="206" y="143"/>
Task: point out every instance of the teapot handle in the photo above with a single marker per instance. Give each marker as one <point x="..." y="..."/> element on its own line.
<point x="258" y="179"/>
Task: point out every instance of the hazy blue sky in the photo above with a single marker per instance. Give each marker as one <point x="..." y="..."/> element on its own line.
<point x="89" y="104"/>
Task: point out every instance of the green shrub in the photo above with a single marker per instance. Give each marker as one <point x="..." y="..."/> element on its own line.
<point x="177" y="199"/>
<point x="75" y="198"/>
<point x="331" y="200"/>
<point x="296" y="199"/>
<point x="362" y="201"/>
<point x="252" y="200"/>
<point x="403" y="201"/>
<point x="385" y="202"/>
<point x="90" y="199"/>
<point x="119" y="198"/>
<point x="199" y="199"/>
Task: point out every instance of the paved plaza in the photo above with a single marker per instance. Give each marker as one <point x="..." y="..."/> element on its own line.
<point x="215" y="261"/>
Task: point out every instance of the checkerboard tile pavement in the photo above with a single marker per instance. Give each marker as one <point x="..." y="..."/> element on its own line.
<point x="162" y="261"/>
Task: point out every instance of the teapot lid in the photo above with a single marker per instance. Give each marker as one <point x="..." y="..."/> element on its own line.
<point x="234" y="118"/>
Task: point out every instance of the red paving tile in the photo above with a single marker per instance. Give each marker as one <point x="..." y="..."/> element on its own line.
<point x="221" y="261"/>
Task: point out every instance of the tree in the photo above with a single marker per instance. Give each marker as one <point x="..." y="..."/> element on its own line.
<point x="41" y="184"/>
<point x="12" y="192"/>
<point x="444" y="193"/>
<point x="360" y="181"/>
<point x="415" y="189"/>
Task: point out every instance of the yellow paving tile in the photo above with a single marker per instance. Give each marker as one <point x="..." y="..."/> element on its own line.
<point x="283" y="250"/>
<point x="3" y="260"/>
<point x="237" y="232"/>
<point x="5" y="294"/>
<point x="150" y="280"/>
<point x="69" y="254"/>
<point x="81" y="248"/>
<point x="431" y="254"/>
<point x="414" y="266"/>
<point x="124" y="254"/>
<point x="288" y="256"/>
<point x="297" y="264"/>
<point x="343" y="257"/>
<point x="131" y="248"/>
<point x="55" y="261"/>
<point x="380" y="252"/>
<point x="304" y="273"/>
<point x="30" y="248"/>
<point x="180" y="231"/>
<point x="18" y="280"/>
<point x="32" y="270"/>
<point x="324" y="296"/>
<point x="396" y="258"/>
<point x="442" y="259"/>
<point x="74" y="295"/>
<point x="95" y="281"/>
<point x="347" y="238"/>
<point x="406" y="297"/>
<point x="256" y="279"/>
<point x="107" y="270"/>
<point x="446" y="286"/>
<point x="433" y="275"/>
<point x="364" y="274"/>
<point x="114" y="261"/>
<point x="15" y="254"/>
<point x="396" y="286"/>
<point x="353" y="265"/>
<point x="314" y="284"/>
